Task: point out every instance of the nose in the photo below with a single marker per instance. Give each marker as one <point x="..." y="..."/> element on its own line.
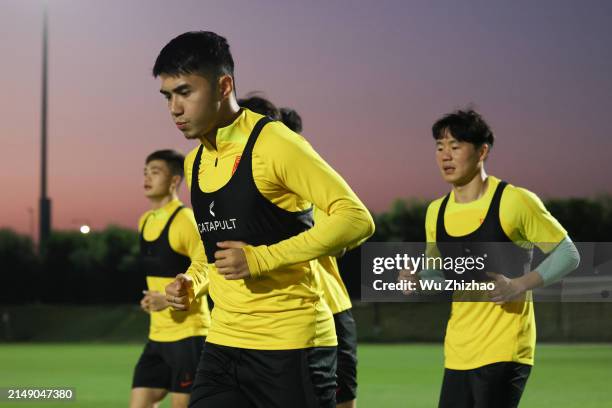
<point x="176" y="108"/>
<point x="445" y="154"/>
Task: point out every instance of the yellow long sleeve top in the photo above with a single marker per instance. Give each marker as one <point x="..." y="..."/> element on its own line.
<point x="280" y="307"/>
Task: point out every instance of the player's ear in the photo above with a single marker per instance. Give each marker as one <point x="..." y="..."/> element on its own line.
<point x="176" y="182"/>
<point x="225" y="86"/>
<point x="483" y="152"/>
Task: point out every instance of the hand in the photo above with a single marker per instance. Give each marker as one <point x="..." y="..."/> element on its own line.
<point x="231" y="261"/>
<point x="506" y="289"/>
<point x="144" y="303"/>
<point x="156" y="300"/>
<point x="408" y="275"/>
<point x="179" y="292"/>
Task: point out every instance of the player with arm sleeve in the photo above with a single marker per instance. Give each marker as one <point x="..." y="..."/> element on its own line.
<point x="489" y="345"/>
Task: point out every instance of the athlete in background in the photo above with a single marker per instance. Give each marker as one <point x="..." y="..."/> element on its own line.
<point x="169" y="245"/>
<point x="334" y="290"/>
<point x="490" y="342"/>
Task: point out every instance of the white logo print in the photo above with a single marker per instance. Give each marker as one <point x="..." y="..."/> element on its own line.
<point x="216" y="225"/>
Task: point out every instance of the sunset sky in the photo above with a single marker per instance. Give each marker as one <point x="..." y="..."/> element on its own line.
<point x="368" y="77"/>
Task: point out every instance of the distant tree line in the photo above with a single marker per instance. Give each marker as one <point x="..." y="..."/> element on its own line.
<point x="102" y="267"/>
<point x="99" y="267"/>
<point x="586" y="220"/>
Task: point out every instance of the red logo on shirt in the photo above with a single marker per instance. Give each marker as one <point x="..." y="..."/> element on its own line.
<point x="236" y="163"/>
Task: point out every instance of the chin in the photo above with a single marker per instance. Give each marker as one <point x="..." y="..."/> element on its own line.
<point x="151" y="194"/>
<point x="190" y="135"/>
<point x="452" y="179"/>
<point x="449" y="178"/>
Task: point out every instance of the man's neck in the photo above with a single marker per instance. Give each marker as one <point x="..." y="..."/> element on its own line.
<point x="159" y="202"/>
<point x="473" y="189"/>
<point x="227" y="115"/>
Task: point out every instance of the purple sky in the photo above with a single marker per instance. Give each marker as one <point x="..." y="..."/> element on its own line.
<point x="369" y="79"/>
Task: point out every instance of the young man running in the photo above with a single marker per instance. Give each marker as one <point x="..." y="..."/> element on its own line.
<point x="169" y="245"/>
<point x="253" y="185"/>
<point x="489" y="345"/>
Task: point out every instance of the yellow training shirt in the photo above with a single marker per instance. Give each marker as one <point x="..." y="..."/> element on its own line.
<point x="168" y="324"/>
<point x="334" y="290"/>
<point x="481" y="333"/>
<point x="280" y="306"/>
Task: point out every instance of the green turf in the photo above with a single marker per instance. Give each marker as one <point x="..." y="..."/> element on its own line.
<point x="390" y="375"/>
<point x="572" y="376"/>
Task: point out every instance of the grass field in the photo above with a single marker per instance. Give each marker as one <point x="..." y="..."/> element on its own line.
<point x="390" y="375"/>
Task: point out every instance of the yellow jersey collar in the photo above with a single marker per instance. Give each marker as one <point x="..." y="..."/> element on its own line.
<point x="491" y="186"/>
<point x="225" y="134"/>
<point x="167" y="209"/>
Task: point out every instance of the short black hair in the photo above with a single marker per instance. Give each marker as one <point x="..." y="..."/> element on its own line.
<point x="465" y="126"/>
<point x="259" y="104"/>
<point x="173" y="159"/>
<point x="291" y="119"/>
<point x="196" y="52"/>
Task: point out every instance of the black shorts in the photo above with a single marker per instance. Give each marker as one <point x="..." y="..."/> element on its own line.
<point x="169" y="365"/>
<point x="245" y="378"/>
<point x="498" y="385"/>
<point x="346" y="332"/>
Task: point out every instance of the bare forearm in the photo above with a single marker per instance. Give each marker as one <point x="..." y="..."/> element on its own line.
<point x="529" y="281"/>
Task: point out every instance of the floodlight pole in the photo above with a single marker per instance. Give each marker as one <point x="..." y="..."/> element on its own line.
<point x="45" y="202"/>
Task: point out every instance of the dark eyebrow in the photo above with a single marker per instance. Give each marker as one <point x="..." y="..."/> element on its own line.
<point x="178" y="89"/>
